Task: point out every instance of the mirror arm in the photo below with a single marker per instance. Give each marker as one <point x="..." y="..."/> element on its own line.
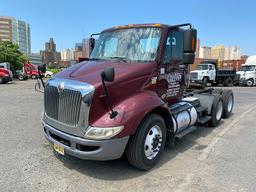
<point x="113" y="113"/>
<point x="39" y="73"/>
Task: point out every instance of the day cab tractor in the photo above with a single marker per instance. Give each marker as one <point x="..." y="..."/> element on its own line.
<point x="247" y="72"/>
<point x="130" y="96"/>
<point x="208" y="72"/>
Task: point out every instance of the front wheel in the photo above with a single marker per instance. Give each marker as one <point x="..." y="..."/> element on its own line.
<point x="249" y="82"/>
<point x="1" y="80"/>
<point x="147" y="144"/>
<point x="205" y="81"/>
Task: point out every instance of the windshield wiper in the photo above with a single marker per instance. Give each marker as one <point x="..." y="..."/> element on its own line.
<point x="124" y="59"/>
<point x="94" y="59"/>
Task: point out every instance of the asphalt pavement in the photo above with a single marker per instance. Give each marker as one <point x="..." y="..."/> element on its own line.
<point x="219" y="159"/>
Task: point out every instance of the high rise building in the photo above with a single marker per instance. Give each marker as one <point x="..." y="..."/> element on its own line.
<point x="82" y="49"/>
<point x="16" y="31"/>
<point x="50" y="55"/>
<point x="205" y="52"/>
<point x="67" y="54"/>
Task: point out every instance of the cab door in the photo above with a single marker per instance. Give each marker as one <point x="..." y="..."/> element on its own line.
<point x="212" y="72"/>
<point x="172" y="71"/>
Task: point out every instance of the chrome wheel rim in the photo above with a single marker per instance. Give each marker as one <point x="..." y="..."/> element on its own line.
<point x="220" y="110"/>
<point x="230" y="103"/>
<point x="153" y="142"/>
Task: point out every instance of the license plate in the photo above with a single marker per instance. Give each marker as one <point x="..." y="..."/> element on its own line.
<point x="58" y="148"/>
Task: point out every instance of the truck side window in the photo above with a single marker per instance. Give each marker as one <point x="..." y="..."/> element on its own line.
<point x="173" y="47"/>
<point x="210" y="67"/>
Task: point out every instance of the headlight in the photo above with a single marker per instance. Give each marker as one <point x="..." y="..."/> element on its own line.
<point x="102" y="133"/>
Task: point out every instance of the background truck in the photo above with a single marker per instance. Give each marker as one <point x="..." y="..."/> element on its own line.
<point x="32" y="71"/>
<point x="130" y="97"/>
<point x="208" y="72"/>
<point x="5" y="72"/>
<point x="247" y="72"/>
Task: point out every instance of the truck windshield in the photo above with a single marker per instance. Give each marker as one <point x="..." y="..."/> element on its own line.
<point x="133" y="44"/>
<point x="247" y="68"/>
<point x="202" y="67"/>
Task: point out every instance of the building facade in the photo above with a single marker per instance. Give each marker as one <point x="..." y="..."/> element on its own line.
<point x="50" y="55"/>
<point x="218" y="52"/>
<point x="35" y="59"/>
<point x="16" y="31"/>
<point x="205" y="52"/>
<point x="82" y="50"/>
<point x="67" y="54"/>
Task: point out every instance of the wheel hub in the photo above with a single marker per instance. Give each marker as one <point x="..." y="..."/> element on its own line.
<point x="153" y="142"/>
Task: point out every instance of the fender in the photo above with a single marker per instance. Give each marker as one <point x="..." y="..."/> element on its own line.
<point x="131" y="112"/>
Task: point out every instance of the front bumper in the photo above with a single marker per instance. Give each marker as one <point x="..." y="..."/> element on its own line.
<point x="85" y="148"/>
<point x="196" y="81"/>
<point x="7" y="79"/>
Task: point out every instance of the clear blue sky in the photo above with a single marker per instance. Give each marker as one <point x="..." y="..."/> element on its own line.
<point x="228" y="22"/>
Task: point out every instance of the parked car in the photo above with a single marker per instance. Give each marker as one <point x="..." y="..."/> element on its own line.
<point x="5" y="75"/>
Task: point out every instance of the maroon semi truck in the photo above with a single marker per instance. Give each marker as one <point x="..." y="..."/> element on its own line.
<point x="130" y="97"/>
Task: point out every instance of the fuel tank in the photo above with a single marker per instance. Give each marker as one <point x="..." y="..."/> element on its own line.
<point x="184" y="115"/>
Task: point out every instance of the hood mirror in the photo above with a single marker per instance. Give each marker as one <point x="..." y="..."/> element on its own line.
<point x="108" y="74"/>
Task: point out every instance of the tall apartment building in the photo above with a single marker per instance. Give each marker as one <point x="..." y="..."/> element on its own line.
<point x="67" y="54"/>
<point x="205" y="52"/>
<point x="16" y="31"/>
<point x="50" y="55"/>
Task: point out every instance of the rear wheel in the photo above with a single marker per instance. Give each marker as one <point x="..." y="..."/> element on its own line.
<point x="229" y="82"/>
<point x="228" y="101"/>
<point x="147" y="144"/>
<point x="217" y="111"/>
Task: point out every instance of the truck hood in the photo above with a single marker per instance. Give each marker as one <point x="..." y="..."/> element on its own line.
<point x="90" y="71"/>
<point x="200" y="71"/>
<point x="246" y="73"/>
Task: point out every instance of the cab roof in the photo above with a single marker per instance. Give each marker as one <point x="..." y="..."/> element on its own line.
<point x="159" y="25"/>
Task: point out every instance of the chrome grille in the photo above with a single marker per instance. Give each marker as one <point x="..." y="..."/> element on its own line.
<point x="62" y="106"/>
<point x="194" y="75"/>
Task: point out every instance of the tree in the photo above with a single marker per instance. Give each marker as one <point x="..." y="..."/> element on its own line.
<point x="9" y="52"/>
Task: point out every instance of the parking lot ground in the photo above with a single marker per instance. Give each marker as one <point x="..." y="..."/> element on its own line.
<point x="220" y="159"/>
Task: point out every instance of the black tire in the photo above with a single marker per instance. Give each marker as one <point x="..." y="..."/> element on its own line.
<point x="21" y="77"/>
<point x="228" y="102"/>
<point x="205" y="81"/>
<point x="135" y="150"/>
<point x="215" y="113"/>
<point x="229" y="82"/>
<point x="1" y="80"/>
<point x="250" y="82"/>
<point x="33" y="76"/>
